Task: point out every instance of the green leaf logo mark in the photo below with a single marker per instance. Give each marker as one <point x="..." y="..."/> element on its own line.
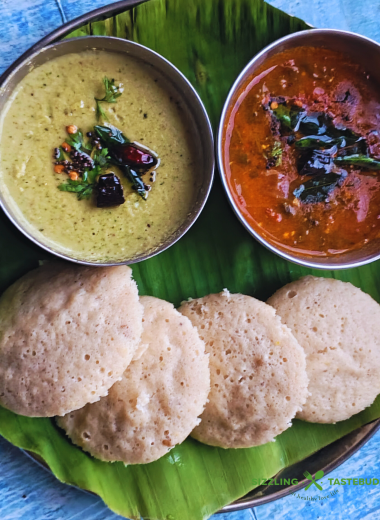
<point x="317" y="476"/>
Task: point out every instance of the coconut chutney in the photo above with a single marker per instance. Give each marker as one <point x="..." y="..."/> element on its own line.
<point x="61" y="92"/>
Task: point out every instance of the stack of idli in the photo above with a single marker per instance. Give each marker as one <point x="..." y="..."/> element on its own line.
<point x="130" y="377"/>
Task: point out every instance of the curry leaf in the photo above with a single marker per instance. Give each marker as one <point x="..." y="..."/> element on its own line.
<point x="358" y="147"/>
<point x="360" y="161"/>
<point x="287" y="115"/>
<point x="110" y="135"/>
<point x="310" y="123"/>
<point x="318" y="188"/>
<point x="312" y="162"/>
<point x="137" y="183"/>
<point x="319" y="141"/>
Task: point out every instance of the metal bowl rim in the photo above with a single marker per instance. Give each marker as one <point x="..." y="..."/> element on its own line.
<point x="209" y="174"/>
<point x="219" y="155"/>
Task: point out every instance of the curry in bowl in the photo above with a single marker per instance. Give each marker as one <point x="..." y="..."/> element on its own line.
<point x="301" y="152"/>
<point x="98" y="156"/>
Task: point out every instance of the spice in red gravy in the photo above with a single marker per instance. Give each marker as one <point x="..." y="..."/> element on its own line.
<point x="302" y="152"/>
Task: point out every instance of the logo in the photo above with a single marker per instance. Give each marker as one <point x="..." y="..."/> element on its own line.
<point x="318" y="476"/>
<point x="315" y="484"/>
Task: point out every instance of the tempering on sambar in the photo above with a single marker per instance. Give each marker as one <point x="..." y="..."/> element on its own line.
<point x="51" y="195"/>
<point x="301" y="151"/>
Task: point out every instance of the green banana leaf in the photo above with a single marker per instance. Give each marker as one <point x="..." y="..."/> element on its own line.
<point x="209" y="41"/>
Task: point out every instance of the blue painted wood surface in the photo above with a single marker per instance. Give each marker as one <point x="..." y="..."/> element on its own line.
<point x="28" y="492"/>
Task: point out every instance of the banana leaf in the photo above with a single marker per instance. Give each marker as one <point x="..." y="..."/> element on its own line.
<point x="210" y="42"/>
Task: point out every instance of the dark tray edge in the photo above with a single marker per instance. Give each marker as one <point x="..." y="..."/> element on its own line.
<point x="247" y="502"/>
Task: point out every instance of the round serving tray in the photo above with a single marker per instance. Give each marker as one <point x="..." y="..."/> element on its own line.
<point x="325" y="459"/>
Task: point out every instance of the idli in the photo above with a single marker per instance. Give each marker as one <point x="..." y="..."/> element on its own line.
<point x="338" y="326"/>
<point x="258" y="376"/>
<point x="67" y="334"/>
<point x="159" y="399"/>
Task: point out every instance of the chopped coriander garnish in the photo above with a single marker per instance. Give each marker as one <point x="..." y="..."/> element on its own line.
<point x="85" y="163"/>
<point x="88" y="167"/>
<point x="82" y="188"/>
<point x="101" y="157"/>
<point x="76" y="141"/>
<point x="85" y="186"/>
<point x="112" y="93"/>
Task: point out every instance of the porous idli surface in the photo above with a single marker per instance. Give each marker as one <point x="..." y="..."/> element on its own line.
<point x="159" y="399"/>
<point x="338" y="326"/>
<point x="258" y="376"/>
<point x="67" y="334"/>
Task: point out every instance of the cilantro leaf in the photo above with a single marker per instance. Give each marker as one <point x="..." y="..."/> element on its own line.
<point x="61" y="155"/>
<point x="76" y="141"/>
<point x="73" y="188"/>
<point x="100" y="114"/>
<point x="81" y="187"/>
<point x="112" y="92"/>
<point x="101" y="157"/>
<point x="275" y="155"/>
<point x="86" y="194"/>
<point x="92" y="174"/>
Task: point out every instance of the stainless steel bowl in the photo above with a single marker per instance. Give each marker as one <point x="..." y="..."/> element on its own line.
<point x="364" y="51"/>
<point x="195" y="112"/>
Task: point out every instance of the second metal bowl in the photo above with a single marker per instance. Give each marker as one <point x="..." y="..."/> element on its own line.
<point x="362" y="50"/>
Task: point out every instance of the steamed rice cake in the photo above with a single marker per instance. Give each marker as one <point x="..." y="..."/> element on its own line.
<point x="67" y="335"/>
<point x="258" y="376"/>
<point x="338" y="326"/>
<point x="159" y="399"/>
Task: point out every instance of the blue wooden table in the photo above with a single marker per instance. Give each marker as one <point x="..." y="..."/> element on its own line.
<point x="28" y="492"/>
